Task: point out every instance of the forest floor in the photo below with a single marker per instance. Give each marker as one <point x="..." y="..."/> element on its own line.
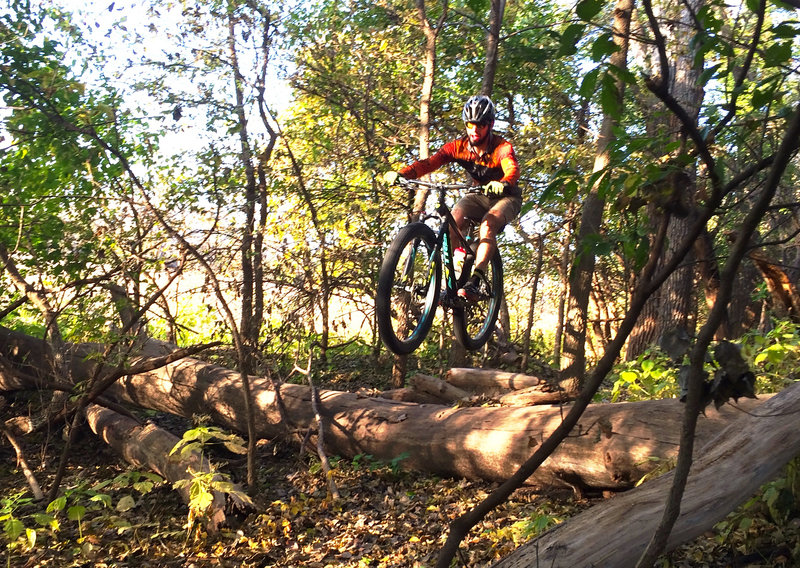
<point x="384" y="517"/>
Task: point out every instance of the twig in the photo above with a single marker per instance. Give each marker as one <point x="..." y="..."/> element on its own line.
<point x="34" y="485"/>
<point x="315" y="406"/>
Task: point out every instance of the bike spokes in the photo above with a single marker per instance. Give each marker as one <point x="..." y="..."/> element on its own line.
<point x="474" y="321"/>
<point x="408" y="289"/>
<point x="411" y="289"/>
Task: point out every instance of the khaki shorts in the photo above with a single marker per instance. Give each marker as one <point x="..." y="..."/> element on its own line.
<point x="476" y="205"/>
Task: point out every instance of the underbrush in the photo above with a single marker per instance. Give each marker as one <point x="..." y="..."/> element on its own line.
<point x="112" y="515"/>
<point x="384" y="517"/>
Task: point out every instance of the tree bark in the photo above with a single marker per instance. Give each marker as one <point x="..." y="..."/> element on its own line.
<point x="542" y="394"/>
<point x="610" y="448"/>
<point x="490" y="382"/>
<point x="722" y="477"/>
<point x="573" y="362"/>
<point x="526" y="341"/>
<point x="784" y="292"/>
<point x="431" y="33"/>
<point x="436" y="387"/>
<point x="497" y="10"/>
<point x="673" y="305"/>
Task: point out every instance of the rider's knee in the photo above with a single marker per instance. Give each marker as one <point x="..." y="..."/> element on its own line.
<point x="491" y="225"/>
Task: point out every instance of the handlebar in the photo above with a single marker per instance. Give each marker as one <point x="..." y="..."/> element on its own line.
<point x="440" y="186"/>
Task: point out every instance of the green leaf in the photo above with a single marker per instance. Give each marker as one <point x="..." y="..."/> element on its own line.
<point x="202" y="500"/>
<point x="588" y="9"/>
<point x="569" y="40"/>
<point x="707" y="74"/>
<point x="126" y="504"/>
<point x="57" y="504"/>
<point x="602" y="47"/>
<point x="785" y="31"/>
<point x="531" y="54"/>
<point x="143" y="487"/>
<point x="13" y="528"/>
<point x="609" y="97"/>
<point x="191" y="448"/>
<point x="154" y="477"/>
<point x="777" y="54"/>
<point x="236" y="446"/>
<point x="622" y="73"/>
<point x="589" y="83"/>
<point x="76" y="512"/>
<point x="102" y="498"/>
<point x="223" y="486"/>
<point x="45" y="520"/>
<point x="761" y="97"/>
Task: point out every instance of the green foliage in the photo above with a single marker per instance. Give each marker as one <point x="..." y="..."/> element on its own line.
<point x="199" y="439"/>
<point x="773" y="358"/>
<point x="368" y="461"/>
<point x="204" y="483"/>
<point x="540" y="519"/>
<point x="13" y="526"/>
<point x="25" y="525"/>
<point x="774" y="355"/>
<point x="650" y="376"/>
<point x="768" y="519"/>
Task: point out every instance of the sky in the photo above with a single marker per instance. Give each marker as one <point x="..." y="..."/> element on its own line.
<point x="115" y="25"/>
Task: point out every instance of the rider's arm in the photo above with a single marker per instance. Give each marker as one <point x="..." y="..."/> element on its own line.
<point x="504" y="154"/>
<point x="421" y="167"/>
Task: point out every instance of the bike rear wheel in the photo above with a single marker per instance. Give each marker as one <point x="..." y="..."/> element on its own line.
<point x="474" y="322"/>
<point x="408" y="289"/>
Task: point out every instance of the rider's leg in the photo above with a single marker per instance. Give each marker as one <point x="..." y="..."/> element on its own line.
<point x="461" y="220"/>
<point x="499" y="215"/>
<point x="491" y="225"/>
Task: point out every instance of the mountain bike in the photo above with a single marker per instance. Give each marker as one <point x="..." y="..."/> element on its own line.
<point x="410" y="278"/>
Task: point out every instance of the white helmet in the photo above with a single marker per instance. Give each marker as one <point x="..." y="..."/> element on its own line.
<point x="478" y="109"/>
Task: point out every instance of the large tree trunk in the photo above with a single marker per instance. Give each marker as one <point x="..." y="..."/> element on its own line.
<point x="610" y="449"/>
<point x="573" y="363"/>
<point x="673" y="305"/>
<point x="727" y="471"/>
<point x="496" y="11"/>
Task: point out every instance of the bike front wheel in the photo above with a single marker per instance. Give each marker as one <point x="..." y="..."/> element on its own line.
<point x="474" y="322"/>
<point x="408" y="288"/>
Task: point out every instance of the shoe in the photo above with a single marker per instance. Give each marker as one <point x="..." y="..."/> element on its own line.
<point x="471" y="291"/>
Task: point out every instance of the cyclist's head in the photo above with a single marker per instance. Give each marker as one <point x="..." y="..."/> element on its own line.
<point x="478" y="110"/>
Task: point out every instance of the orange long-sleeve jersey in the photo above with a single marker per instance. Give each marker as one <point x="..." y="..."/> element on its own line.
<point x="498" y="163"/>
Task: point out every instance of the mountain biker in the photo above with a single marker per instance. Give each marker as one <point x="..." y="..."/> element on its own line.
<point x="490" y="162"/>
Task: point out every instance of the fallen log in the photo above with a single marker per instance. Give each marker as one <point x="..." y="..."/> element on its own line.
<point x="443" y="392"/>
<point x="407" y="394"/>
<point x="727" y="470"/>
<point x="611" y="447"/>
<point x="541" y="394"/>
<point x="146" y="445"/>
<point x="490" y="382"/>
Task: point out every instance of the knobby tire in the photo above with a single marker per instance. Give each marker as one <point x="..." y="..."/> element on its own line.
<point x="408" y="290"/>
<point x="474" y="323"/>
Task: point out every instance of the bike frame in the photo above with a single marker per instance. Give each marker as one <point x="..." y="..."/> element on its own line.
<point x="443" y="239"/>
